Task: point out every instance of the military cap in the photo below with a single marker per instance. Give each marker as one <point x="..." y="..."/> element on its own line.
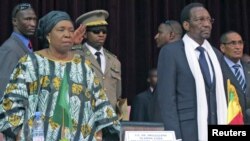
<point x="93" y="18"/>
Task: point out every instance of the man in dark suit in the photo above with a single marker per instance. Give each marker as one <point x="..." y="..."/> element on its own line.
<point x="140" y="109"/>
<point x="168" y="32"/>
<point x="18" y="44"/>
<point x="231" y="44"/>
<point x="190" y="90"/>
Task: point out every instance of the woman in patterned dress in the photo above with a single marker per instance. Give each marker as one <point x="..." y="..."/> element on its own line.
<point x="54" y="75"/>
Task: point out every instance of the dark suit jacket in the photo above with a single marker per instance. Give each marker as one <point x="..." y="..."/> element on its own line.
<point x="140" y="109"/>
<point x="176" y="92"/>
<point x="10" y="52"/>
<point x="228" y="74"/>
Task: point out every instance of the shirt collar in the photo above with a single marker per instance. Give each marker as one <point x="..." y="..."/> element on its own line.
<point x="22" y="38"/>
<point x="93" y="50"/>
<point x="231" y="63"/>
<point x="194" y="44"/>
<point x="151" y="89"/>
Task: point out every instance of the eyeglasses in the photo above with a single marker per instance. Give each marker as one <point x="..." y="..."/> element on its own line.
<point x="98" y="31"/>
<point x="234" y="43"/>
<point x="22" y="6"/>
<point x="203" y="19"/>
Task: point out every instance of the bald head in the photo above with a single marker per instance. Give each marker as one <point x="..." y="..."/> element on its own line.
<point x="168" y="31"/>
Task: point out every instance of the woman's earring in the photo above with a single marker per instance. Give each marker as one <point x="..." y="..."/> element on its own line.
<point x="48" y="40"/>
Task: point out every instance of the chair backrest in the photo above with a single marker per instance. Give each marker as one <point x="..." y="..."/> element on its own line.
<point x="139" y="126"/>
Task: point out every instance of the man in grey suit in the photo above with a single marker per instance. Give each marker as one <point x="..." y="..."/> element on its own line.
<point x="18" y="44"/>
<point x="231" y="44"/>
<point x="190" y="90"/>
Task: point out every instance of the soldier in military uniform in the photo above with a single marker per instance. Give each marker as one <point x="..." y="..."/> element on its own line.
<point x="105" y="64"/>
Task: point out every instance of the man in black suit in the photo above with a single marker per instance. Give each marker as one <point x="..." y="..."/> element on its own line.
<point x="231" y="44"/>
<point x="140" y="109"/>
<point x="190" y="90"/>
<point x="168" y="32"/>
<point x="18" y="44"/>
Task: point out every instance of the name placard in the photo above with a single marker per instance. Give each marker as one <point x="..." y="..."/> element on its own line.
<point x="150" y="136"/>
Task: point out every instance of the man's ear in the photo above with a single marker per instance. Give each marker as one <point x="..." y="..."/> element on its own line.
<point x="14" y="22"/>
<point x="186" y="25"/>
<point x="172" y="35"/>
<point x="222" y="48"/>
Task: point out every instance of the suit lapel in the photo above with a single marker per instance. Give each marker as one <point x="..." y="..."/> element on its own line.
<point x="20" y="43"/>
<point x="233" y="79"/>
<point x="230" y="75"/>
<point x="247" y="75"/>
<point x="241" y="94"/>
<point x="91" y="58"/>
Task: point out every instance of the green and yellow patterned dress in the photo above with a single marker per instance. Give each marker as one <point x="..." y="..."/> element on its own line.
<point x="34" y="86"/>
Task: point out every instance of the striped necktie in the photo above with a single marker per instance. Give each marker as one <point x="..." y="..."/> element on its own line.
<point x="239" y="76"/>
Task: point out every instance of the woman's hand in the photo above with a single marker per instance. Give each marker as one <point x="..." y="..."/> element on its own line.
<point x="99" y="136"/>
<point x="79" y="34"/>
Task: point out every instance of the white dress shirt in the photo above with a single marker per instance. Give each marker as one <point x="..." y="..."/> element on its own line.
<point x="195" y="45"/>
<point x="102" y="56"/>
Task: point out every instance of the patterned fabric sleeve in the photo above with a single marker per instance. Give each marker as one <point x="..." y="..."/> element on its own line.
<point x="104" y="114"/>
<point x="15" y="100"/>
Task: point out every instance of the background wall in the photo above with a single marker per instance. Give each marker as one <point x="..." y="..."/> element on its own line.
<point x="133" y="25"/>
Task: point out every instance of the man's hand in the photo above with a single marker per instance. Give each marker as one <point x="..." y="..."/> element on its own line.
<point x="79" y="34"/>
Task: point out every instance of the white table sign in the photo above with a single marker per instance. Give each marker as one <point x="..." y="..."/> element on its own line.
<point x="150" y="136"/>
